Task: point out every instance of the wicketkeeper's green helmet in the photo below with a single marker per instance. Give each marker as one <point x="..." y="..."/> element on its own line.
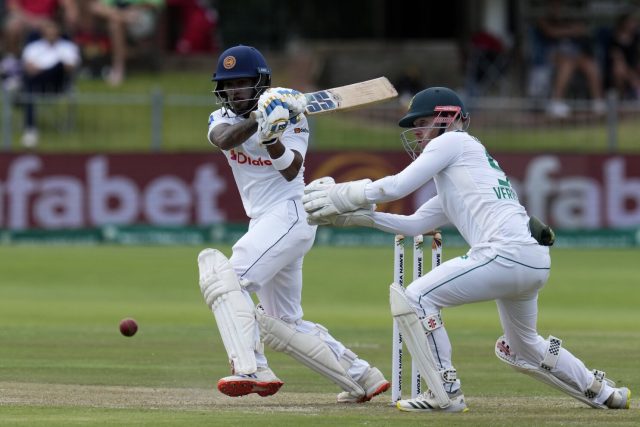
<point x="424" y="104"/>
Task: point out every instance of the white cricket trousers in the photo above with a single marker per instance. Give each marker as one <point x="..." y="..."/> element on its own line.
<point x="510" y="275"/>
<point x="268" y="259"/>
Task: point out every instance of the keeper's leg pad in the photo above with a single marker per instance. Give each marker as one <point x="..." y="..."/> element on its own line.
<point x="234" y="315"/>
<point x="414" y="331"/>
<point x="310" y="350"/>
<point x="543" y="372"/>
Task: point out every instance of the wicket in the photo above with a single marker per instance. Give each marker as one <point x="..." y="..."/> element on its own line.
<point x="398" y="277"/>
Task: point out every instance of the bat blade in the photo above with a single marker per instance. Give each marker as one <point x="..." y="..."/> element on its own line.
<point x="350" y="96"/>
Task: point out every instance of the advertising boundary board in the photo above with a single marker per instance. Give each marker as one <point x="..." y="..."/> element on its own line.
<point x="86" y="191"/>
<point x="228" y="234"/>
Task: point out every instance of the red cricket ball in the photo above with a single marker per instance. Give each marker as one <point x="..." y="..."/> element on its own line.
<point x="128" y="327"/>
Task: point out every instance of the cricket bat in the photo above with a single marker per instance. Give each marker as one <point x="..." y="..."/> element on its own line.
<point x="346" y="97"/>
<point x="350" y="96"/>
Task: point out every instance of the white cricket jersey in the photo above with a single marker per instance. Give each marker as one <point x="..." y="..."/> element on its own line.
<point x="474" y="194"/>
<point x="261" y="186"/>
<point x="44" y="54"/>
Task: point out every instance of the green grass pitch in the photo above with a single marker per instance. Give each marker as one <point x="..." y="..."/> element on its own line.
<point x="63" y="361"/>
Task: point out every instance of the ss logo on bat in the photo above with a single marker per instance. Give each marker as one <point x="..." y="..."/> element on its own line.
<point x="319" y="101"/>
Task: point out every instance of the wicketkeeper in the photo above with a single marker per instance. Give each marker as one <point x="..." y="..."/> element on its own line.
<point x="505" y="263"/>
<point x="263" y="133"/>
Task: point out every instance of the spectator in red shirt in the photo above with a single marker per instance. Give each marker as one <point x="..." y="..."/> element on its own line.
<point x="197" y="22"/>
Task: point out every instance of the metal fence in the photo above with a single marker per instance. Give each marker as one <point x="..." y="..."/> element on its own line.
<point x="159" y="121"/>
<point x="110" y="122"/>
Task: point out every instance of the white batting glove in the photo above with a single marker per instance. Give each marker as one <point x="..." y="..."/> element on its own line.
<point x="335" y="199"/>
<point x="296" y="100"/>
<point x="271" y="125"/>
<point x="268" y="101"/>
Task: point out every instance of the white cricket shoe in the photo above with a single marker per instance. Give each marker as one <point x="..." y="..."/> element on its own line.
<point x="558" y="109"/>
<point x="599" y="107"/>
<point x="373" y="383"/>
<point x="426" y="402"/>
<point x="619" y="399"/>
<point x="263" y="382"/>
<point x="30" y="138"/>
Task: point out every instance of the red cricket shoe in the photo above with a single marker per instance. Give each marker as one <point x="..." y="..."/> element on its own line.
<point x="263" y="382"/>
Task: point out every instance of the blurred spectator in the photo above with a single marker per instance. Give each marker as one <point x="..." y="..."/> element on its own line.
<point x="197" y="26"/>
<point x="540" y="65"/>
<point x="408" y="84"/>
<point x="49" y="64"/>
<point x="487" y="59"/>
<point x="622" y="71"/>
<point x="304" y="65"/>
<point x="94" y="50"/>
<point x="24" y="20"/>
<point x="135" y="19"/>
<point x="26" y="16"/>
<point x="571" y="49"/>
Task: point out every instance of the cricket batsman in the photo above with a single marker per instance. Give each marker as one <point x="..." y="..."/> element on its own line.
<point x="264" y="134"/>
<point x="505" y="262"/>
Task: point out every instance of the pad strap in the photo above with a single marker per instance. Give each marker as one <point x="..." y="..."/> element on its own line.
<point x="596" y="385"/>
<point x="552" y="355"/>
<point x="449" y="375"/>
<point x="432" y="321"/>
<point x="348" y="357"/>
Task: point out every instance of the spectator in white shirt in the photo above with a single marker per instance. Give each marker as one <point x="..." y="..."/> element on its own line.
<point x="48" y="64"/>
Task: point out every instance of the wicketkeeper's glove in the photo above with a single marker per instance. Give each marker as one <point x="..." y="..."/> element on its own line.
<point x="324" y="198"/>
<point x="358" y="218"/>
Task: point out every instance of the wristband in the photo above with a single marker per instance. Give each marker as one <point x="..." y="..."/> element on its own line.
<point x="269" y="142"/>
<point x="283" y="161"/>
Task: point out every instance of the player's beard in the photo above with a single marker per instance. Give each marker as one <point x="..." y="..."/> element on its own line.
<point x="243" y="107"/>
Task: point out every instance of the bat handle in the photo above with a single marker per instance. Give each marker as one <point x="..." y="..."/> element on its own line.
<point x="255" y="114"/>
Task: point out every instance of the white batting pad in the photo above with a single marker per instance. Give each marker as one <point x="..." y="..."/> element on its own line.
<point x="413" y="333"/>
<point x="234" y="315"/>
<point x="504" y="353"/>
<point x="310" y="350"/>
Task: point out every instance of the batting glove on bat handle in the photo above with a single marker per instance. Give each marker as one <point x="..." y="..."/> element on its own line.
<point x="272" y="122"/>
<point x="296" y="101"/>
<point x="258" y="116"/>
